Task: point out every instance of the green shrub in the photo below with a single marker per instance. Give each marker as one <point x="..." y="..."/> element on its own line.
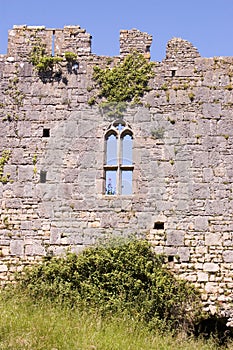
<point x="118" y="277"/>
<point x="47" y="63"/>
<point x="3" y="160"/>
<point x="70" y="56"/>
<point x="125" y="82"/>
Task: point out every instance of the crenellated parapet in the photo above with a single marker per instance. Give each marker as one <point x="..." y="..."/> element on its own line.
<point x="73" y="39"/>
<point x="22" y="39"/>
<point x="134" y="39"/>
<point x="180" y="50"/>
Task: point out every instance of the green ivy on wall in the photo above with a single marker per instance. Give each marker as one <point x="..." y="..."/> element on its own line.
<point x="125" y="82"/>
<point x="3" y="160"/>
<point x="46" y="63"/>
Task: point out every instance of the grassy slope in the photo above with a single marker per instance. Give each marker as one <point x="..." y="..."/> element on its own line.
<point x="24" y="326"/>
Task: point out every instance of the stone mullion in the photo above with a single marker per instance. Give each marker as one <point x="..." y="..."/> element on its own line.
<point x="118" y="177"/>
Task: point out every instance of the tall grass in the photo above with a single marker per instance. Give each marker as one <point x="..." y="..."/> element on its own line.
<point x="28" y="325"/>
<point x="117" y="296"/>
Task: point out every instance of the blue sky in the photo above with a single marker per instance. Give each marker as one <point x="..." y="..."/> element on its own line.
<point x="207" y="24"/>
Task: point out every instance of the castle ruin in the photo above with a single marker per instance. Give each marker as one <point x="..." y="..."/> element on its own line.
<point x="175" y="189"/>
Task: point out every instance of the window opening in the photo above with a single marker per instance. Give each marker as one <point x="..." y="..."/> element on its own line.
<point x="118" y="159"/>
<point x="126" y="183"/>
<point x="53" y="43"/>
<point x="173" y="72"/>
<point x="120" y="127"/>
<point x="46" y="132"/>
<point x="43" y="175"/>
<point x="112" y="150"/>
<point x="127" y="150"/>
<point x="170" y="258"/>
<point x="111" y="182"/>
<point x="159" y="225"/>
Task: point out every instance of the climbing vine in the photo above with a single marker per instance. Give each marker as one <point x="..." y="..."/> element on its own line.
<point x="41" y="61"/>
<point x="46" y="63"/>
<point x="125" y="82"/>
<point x="3" y="160"/>
<point x="13" y="96"/>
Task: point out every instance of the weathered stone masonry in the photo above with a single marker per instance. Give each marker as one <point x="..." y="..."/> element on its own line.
<point x="182" y="152"/>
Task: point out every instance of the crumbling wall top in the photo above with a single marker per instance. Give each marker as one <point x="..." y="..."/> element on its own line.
<point x="21" y="40"/>
<point x="135" y="40"/>
<point x="73" y="38"/>
<point x="180" y="49"/>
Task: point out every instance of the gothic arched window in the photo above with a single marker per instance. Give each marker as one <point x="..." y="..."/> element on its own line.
<point x="118" y="159"/>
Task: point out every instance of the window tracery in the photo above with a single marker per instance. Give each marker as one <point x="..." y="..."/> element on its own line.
<point x="118" y="165"/>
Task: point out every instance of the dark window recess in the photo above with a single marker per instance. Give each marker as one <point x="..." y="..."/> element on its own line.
<point x="170" y="258"/>
<point x="159" y="225"/>
<point x="53" y="43"/>
<point x="43" y="176"/>
<point x="173" y="73"/>
<point x="46" y="132"/>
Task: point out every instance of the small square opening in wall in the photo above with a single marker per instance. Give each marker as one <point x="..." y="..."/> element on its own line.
<point x="173" y="72"/>
<point x="43" y="175"/>
<point x="159" y="225"/>
<point x="46" y="132"/>
<point x="170" y="258"/>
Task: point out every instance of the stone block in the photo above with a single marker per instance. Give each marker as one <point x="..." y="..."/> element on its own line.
<point x="142" y="116"/>
<point x="191" y="277"/>
<point x="172" y="251"/>
<point x="213" y="239"/>
<point x="25" y="173"/>
<point x="3" y="268"/>
<point x="13" y="203"/>
<point x="175" y="238"/>
<point x="211" y="288"/>
<point x="184" y="254"/>
<point x="17" y="247"/>
<point x="202" y="277"/>
<point x="201" y="191"/>
<point x="201" y="223"/>
<point x="228" y="256"/>
<point x="158" y="250"/>
<point x="211" y="267"/>
<point x="35" y="249"/>
<point x="213" y="110"/>
<point x="24" y="129"/>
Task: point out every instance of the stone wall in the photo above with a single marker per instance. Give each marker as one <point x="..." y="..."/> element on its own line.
<point x="22" y="38"/>
<point x="54" y="196"/>
<point x="134" y="39"/>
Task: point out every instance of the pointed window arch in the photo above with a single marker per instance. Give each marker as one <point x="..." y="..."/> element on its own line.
<point x="118" y="167"/>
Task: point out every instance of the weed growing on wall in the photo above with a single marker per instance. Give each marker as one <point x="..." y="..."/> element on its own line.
<point x="41" y="61"/>
<point x="3" y="160"/>
<point x="119" y="277"/>
<point x="13" y="99"/>
<point x="70" y="56"/>
<point x="125" y="82"/>
<point x="50" y="65"/>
